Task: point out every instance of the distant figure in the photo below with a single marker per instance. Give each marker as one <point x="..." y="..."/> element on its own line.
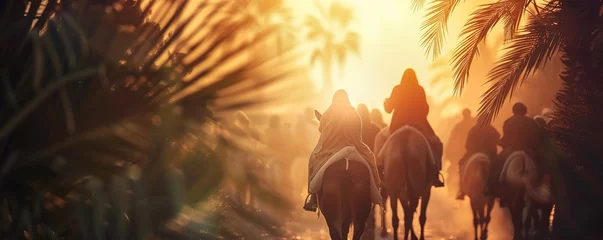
<point x="274" y="137"/>
<point x="340" y="126"/>
<point x="369" y="129"/>
<point x="305" y="132"/>
<point x="480" y="139"/>
<point x="273" y="132"/>
<point x="409" y="104"/>
<point x="244" y="127"/>
<point x="288" y="137"/>
<point x="458" y="137"/>
<point x="377" y="118"/>
<point x="520" y="133"/>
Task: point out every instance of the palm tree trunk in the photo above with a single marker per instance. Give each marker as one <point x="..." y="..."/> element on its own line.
<point x="327" y="69"/>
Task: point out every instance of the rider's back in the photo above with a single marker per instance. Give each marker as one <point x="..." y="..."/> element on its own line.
<point x="409" y="105"/>
<point x="482" y="138"/>
<point x="520" y="133"/>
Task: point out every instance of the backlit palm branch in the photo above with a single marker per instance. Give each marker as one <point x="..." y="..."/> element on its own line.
<point x="571" y="29"/>
<point x="481" y="22"/>
<point x="98" y="113"/>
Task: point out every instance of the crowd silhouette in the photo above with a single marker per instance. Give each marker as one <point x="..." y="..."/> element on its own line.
<point x="478" y="169"/>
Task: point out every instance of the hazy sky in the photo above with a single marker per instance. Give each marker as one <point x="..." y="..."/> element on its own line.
<point x="390" y="43"/>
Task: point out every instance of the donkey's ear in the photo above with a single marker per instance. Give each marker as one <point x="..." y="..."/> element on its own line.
<point x="317" y="114"/>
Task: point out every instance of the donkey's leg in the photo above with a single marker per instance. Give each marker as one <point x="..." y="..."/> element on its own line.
<point x="516" y="216"/>
<point x="481" y="213"/>
<point x="383" y="224"/>
<point x="346" y="216"/>
<point x="423" y="217"/>
<point x="330" y="205"/>
<point x="489" y="207"/>
<point x="393" y="201"/>
<point x="475" y="217"/>
<point x="362" y="210"/>
<point x="405" y="208"/>
<point x="412" y="208"/>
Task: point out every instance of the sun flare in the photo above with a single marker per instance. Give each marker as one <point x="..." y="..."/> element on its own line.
<point x="390" y="37"/>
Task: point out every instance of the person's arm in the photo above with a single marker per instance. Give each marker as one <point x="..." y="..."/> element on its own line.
<point x="503" y="141"/>
<point x="422" y="102"/>
<point x="324" y="120"/>
<point x="393" y="99"/>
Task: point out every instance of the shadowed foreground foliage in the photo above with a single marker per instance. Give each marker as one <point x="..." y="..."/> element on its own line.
<point x="573" y="31"/>
<point x="108" y="122"/>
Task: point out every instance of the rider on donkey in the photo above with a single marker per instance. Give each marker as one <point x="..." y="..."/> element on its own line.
<point x="520" y="133"/>
<point x="409" y="104"/>
<point x="340" y="126"/>
<point x="482" y="138"/>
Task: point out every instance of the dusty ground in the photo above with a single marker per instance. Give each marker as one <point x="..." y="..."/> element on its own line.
<point x="446" y="219"/>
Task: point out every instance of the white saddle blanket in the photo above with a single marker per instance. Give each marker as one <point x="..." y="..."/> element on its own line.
<point x="391" y="147"/>
<point x="477" y="157"/>
<point x="346" y="154"/>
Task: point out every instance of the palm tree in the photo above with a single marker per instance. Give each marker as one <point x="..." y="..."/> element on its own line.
<point x="567" y="28"/>
<point x="330" y="31"/>
<point x="101" y="123"/>
<point x="274" y="13"/>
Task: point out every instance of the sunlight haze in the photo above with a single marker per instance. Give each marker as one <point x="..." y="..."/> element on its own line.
<point x="390" y="42"/>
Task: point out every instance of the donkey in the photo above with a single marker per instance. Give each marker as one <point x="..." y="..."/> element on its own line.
<point x="345" y="196"/>
<point x="408" y="167"/>
<point x="475" y="177"/>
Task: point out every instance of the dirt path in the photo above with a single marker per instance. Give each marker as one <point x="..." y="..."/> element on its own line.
<point x="446" y="219"/>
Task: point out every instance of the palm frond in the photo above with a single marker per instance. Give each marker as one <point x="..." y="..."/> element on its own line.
<point x="341" y="14"/>
<point x="121" y="100"/>
<point x="435" y="26"/>
<point x="316" y="54"/>
<point x="341" y="52"/>
<point x="417" y="5"/>
<point x="512" y="18"/>
<point x="352" y="42"/>
<point x="527" y="52"/>
<point x="321" y="9"/>
<point x="316" y="29"/>
<point x="474" y="32"/>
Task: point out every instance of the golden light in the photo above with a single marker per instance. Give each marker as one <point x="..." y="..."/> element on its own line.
<point x="390" y="41"/>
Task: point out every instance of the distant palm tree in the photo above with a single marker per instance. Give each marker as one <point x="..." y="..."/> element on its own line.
<point x="330" y="31"/>
<point x="276" y="14"/>
<point x="569" y="28"/>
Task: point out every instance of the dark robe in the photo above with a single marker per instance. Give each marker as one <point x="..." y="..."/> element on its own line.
<point x="520" y="133"/>
<point x="409" y="105"/>
<point x="482" y="139"/>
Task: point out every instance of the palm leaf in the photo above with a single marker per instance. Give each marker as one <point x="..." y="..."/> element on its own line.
<point x="341" y="14"/>
<point x="316" y="54"/>
<point x="474" y="32"/>
<point x="527" y="52"/>
<point x="118" y="110"/>
<point x="352" y="42"/>
<point x="316" y="29"/>
<point x="341" y="52"/>
<point x="435" y="26"/>
<point x="417" y="4"/>
<point x="512" y="18"/>
<point x="321" y="10"/>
